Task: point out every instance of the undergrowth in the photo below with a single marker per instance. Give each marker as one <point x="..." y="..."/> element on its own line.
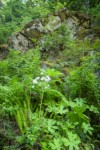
<point x="43" y="108"/>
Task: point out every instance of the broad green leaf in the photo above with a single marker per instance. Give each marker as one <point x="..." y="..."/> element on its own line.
<point x="72" y="142"/>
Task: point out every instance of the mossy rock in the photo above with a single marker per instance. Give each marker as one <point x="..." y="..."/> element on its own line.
<point x="63" y="14"/>
<point x="82" y="33"/>
<point x="3" y="51"/>
<point x="33" y="33"/>
<point x="48" y="63"/>
<point x="54" y="23"/>
<point x="66" y="70"/>
<point x="3" y="47"/>
<point x="96" y="30"/>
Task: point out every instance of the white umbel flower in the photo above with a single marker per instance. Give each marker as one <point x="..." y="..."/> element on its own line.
<point x="47" y="78"/>
<point x="37" y="78"/>
<point x="35" y="81"/>
<point x="43" y="79"/>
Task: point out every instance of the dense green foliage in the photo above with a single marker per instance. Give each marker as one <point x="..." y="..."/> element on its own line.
<point x="15" y="14"/>
<point x="45" y="113"/>
<point x="54" y="107"/>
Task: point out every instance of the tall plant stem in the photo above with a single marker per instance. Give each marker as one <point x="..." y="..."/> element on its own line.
<point x="41" y="101"/>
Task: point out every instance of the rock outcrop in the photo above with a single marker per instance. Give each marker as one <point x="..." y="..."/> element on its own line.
<point x="78" y="24"/>
<point x="20" y="42"/>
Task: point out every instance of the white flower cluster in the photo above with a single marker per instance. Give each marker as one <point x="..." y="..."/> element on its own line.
<point x="35" y="81"/>
<point x="46" y="79"/>
<point x="40" y="81"/>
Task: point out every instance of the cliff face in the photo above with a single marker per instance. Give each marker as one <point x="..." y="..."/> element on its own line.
<point x="78" y="24"/>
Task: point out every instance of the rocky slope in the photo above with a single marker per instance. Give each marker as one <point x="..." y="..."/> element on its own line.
<point x="79" y="25"/>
